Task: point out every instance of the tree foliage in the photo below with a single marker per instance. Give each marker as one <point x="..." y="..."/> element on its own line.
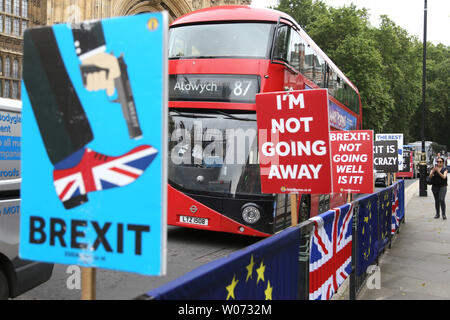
<point x="385" y="63"/>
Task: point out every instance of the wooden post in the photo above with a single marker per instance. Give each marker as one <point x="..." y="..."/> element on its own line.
<point x="88" y="283"/>
<point x="294" y="213"/>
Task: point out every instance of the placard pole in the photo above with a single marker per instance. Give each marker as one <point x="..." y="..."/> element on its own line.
<point x="294" y="213"/>
<point x="88" y="283"/>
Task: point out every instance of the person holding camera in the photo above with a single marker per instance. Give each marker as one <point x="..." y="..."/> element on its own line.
<point x="439" y="186"/>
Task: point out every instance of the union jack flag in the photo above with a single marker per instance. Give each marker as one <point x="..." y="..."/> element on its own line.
<point x="395" y="206"/>
<point x="97" y="172"/>
<point x="331" y="252"/>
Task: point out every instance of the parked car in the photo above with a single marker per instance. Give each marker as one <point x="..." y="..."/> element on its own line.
<point x="381" y="179"/>
<point x="16" y="275"/>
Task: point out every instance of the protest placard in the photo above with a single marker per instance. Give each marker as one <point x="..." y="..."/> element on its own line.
<point x="293" y="135"/>
<point x="352" y="154"/>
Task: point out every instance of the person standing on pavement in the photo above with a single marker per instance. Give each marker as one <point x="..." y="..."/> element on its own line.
<point x="439" y="186"/>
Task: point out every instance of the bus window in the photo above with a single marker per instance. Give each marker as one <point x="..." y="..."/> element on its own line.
<point x="309" y="62"/>
<point x="296" y="51"/>
<point x="353" y="100"/>
<point x="220" y="40"/>
<point x="340" y="92"/>
<point x="331" y="81"/>
<point x="319" y="71"/>
<point x="178" y="47"/>
<point x="282" y="43"/>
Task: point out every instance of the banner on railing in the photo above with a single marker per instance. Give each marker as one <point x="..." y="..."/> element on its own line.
<point x="330" y="252"/>
<point x="367" y="232"/>
<point x="395" y="208"/>
<point x="401" y="200"/>
<point x="267" y="270"/>
<point x="384" y="217"/>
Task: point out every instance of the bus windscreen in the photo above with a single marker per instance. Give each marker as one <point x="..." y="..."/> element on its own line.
<point x="220" y="40"/>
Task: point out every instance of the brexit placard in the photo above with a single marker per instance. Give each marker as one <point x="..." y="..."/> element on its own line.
<point x="397" y="137"/>
<point x="293" y="141"/>
<point x="352" y="154"/>
<point x="94" y="145"/>
<point x="385" y="155"/>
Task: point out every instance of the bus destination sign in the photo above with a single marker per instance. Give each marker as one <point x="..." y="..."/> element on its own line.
<point x="223" y="88"/>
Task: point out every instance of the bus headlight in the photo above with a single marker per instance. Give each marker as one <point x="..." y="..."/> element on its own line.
<point x="251" y="213"/>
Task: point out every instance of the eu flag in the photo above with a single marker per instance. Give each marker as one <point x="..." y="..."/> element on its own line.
<point x="367" y="232"/>
<point x="266" y="270"/>
<point x="384" y="217"/>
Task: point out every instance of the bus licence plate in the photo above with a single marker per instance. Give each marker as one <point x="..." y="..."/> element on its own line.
<point x="194" y="220"/>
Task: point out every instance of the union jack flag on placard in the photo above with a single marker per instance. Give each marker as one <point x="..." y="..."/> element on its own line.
<point x="96" y="172"/>
<point x="331" y="252"/>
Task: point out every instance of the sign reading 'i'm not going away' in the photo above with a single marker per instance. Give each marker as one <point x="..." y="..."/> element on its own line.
<point x="293" y="141"/>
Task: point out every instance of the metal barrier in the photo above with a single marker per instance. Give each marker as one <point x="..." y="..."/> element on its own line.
<point x="309" y="261"/>
<point x="376" y="219"/>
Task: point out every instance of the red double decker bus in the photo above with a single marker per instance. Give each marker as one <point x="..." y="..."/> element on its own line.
<point x="219" y="59"/>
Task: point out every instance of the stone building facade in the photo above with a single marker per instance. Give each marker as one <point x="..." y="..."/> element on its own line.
<point x="17" y="15"/>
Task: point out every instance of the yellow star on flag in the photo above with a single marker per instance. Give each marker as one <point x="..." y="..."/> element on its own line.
<point x="260" y="272"/>
<point x="230" y="288"/>
<point x="250" y="269"/>
<point x="268" y="291"/>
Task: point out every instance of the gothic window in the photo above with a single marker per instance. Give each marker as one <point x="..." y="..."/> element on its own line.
<point x="8" y="25"/>
<point x="7" y="67"/>
<point x="17" y="7"/>
<point x="15" y="69"/>
<point x="24" y="26"/>
<point x="15" y="90"/>
<point x="16" y="27"/>
<point x="6" y="89"/>
<point x="8" y="6"/>
<point x="25" y="8"/>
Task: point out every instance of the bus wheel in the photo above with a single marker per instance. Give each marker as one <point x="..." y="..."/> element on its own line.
<point x="4" y="287"/>
<point x="304" y="208"/>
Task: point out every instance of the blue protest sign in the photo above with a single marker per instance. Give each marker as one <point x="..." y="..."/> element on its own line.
<point x="94" y="145"/>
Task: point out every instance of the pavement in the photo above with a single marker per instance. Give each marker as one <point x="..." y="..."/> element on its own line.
<point x="417" y="267"/>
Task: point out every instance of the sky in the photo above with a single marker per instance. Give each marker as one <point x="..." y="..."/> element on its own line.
<point x="407" y="14"/>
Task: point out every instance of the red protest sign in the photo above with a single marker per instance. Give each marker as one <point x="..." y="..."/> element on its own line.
<point x="293" y="141"/>
<point x="352" y="154"/>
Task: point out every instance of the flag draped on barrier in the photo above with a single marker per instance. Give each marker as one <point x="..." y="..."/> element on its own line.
<point x="331" y="252"/>
<point x="367" y="232"/>
<point x="267" y="270"/>
<point x="384" y="217"/>
<point x="395" y="208"/>
<point x="401" y="200"/>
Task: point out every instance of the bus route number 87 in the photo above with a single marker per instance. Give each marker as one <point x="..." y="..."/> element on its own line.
<point x="241" y="87"/>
